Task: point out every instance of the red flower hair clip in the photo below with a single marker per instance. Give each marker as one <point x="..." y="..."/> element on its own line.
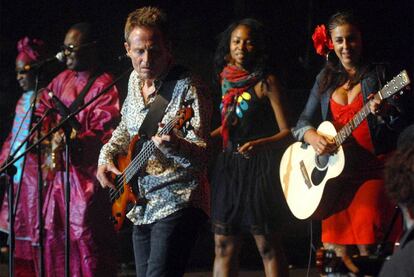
<point x="322" y="43"/>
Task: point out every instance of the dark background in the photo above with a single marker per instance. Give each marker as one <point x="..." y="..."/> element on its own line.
<point x="388" y="34"/>
<point x="388" y="37"/>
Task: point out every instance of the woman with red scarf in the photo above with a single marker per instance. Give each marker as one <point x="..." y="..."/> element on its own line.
<point x="245" y="195"/>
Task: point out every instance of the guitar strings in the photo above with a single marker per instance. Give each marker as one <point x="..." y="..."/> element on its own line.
<point x="390" y="88"/>
<point x="345" y="131"/>
<point x="131" y="169"/>
<point x="134" y="165"/>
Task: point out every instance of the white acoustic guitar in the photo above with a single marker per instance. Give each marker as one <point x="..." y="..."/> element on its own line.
<point x="304" y="174"/>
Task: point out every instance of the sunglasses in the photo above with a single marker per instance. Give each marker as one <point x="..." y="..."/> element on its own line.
<point x="69" y="49"/>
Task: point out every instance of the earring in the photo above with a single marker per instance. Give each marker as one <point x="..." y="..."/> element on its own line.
<point x="331" y="56"/>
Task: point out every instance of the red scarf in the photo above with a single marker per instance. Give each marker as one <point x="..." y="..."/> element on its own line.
<point x="234" y="81"/>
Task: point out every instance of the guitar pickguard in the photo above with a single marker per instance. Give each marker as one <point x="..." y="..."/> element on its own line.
<point x="320" y="170"/>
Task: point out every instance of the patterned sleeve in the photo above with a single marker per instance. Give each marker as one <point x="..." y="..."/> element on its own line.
<point x="194" y="145"/>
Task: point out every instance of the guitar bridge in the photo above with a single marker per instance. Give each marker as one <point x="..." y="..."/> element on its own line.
<point x="305" y="174"/>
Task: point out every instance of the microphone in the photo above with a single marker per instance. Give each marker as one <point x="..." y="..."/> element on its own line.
<point x="59" y="57"/>
<point x="64" y="111"/>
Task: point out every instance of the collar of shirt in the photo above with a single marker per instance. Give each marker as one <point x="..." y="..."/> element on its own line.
<point x="157" y="84"/>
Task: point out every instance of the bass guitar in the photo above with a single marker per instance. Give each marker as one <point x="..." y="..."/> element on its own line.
<point x="304" y="174"/>
<point x="132" y="163"/>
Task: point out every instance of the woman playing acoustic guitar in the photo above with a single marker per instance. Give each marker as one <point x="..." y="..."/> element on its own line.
<point x="342" y="88"/>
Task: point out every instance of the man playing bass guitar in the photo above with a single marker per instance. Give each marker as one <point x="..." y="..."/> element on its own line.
<point x="172" y="185"/>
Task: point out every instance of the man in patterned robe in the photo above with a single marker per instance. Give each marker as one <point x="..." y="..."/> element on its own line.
<point x="91" y="239"/>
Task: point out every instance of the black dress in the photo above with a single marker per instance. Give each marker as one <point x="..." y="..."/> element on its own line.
<point x="246" y="194"/>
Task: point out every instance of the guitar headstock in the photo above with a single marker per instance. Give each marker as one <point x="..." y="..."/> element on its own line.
<point x="396" y="84"/>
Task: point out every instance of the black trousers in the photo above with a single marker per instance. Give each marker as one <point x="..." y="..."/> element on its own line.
<point x="163" y="248"/>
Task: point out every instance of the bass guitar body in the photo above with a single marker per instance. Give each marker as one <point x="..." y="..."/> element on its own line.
<point x="126" y="194"/>
<point x="132" y="165"/>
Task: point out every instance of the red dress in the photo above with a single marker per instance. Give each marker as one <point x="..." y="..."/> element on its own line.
<point x="368" y="215"/>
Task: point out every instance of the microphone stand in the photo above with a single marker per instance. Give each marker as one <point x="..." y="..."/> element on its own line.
<point x="68" y="142"/>
<point x="40" y="204"/>
<point x="13" y="201"/>
<point x="39" y="184"/>
<point x="53" y="130"/>
<point x="30" y="110"/>
<point x="11" y="171"/>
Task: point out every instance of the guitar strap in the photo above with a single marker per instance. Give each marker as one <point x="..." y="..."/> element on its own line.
<point x="80" y="99"/>
<point x="157" y="108"/>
